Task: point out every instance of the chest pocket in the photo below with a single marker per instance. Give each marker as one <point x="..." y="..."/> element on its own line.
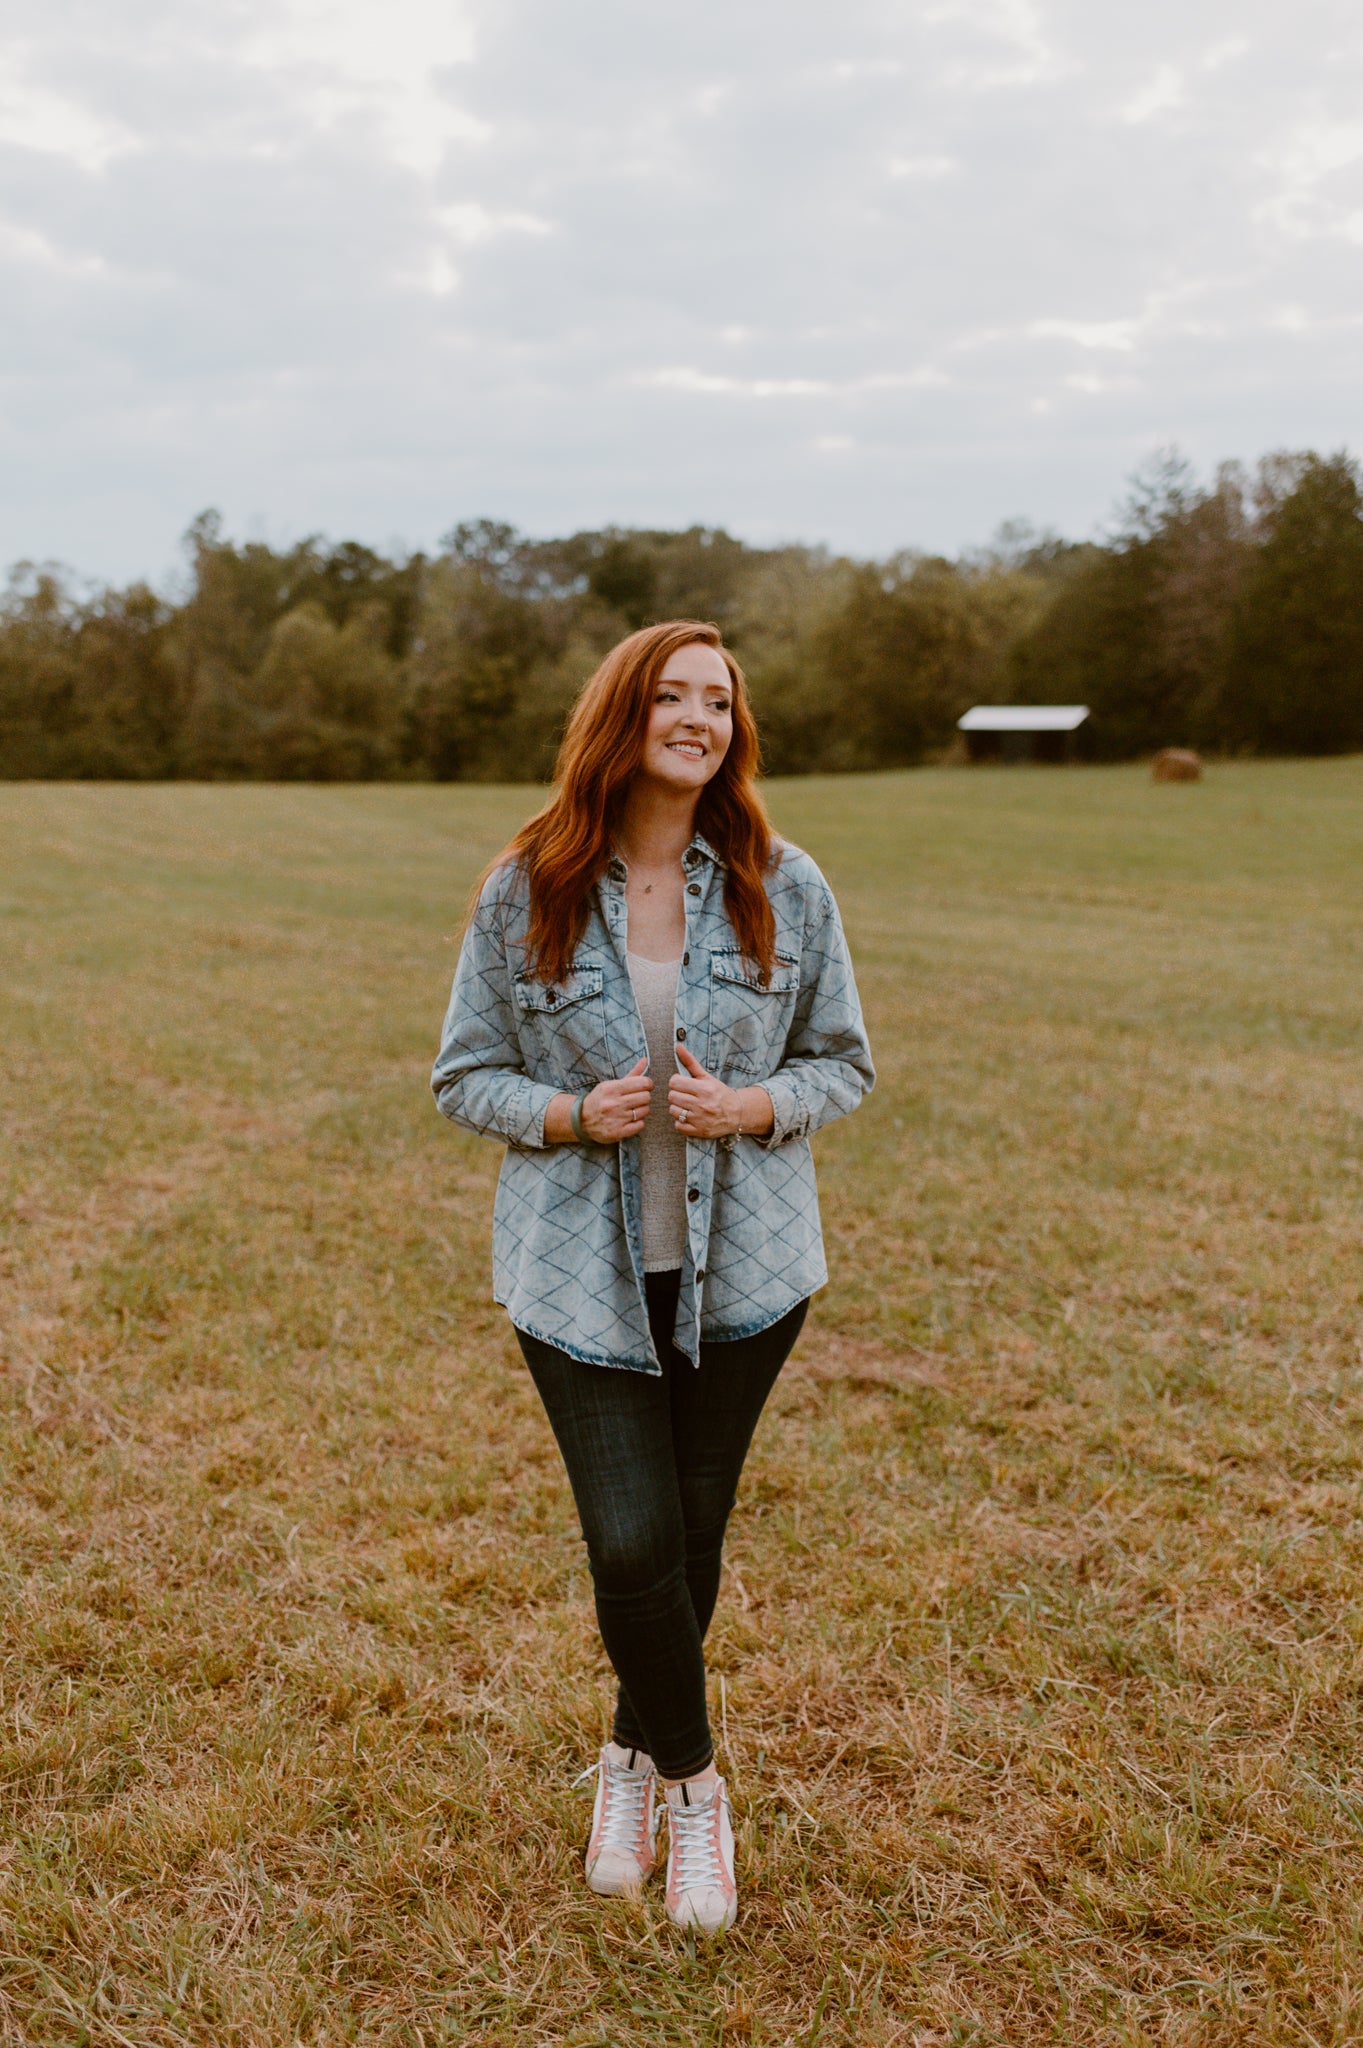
<point x="563" y="1025"/>
<point x="749" y="1021"/>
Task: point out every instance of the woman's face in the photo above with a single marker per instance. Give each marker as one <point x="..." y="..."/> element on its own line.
<point x="692" y="719"/>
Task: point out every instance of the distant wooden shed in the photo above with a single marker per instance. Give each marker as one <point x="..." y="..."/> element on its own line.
<point x="1021" y="732"/>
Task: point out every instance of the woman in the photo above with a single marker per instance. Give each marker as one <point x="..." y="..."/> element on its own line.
<point x="653" y="1008"/>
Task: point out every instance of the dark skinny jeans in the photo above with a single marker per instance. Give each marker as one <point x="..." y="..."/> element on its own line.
<point x="654" y="1465"/>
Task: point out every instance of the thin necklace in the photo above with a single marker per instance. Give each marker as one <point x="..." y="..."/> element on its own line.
<point x="647" y="889"/>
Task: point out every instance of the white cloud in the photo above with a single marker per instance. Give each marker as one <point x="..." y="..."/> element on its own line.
<point x="876" y="274"/>
<point x="437" y="276"/>
<point x="468" y="222"/>
<point x="719" y="384"/>
<point x="32" y="116"/>
<point x="926" y="377"/>
<point x="930" y="168"/>
<point x="1023" y="53"/>
<point x="1227" y="51"/>
<point x="387" y="61"/>
<point x="1314" y="198"/>
<point x="711" y="384"/>
<point x="27" y="246"/>
<point x="1160" y="95"/>
<point x="850" y="69"/>
<point x="1105" y="334"/>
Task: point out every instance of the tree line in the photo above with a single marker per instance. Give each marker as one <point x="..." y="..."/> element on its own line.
<point x="1224" y="614"/>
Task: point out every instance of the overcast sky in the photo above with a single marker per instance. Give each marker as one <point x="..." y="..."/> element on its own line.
<point x="875" y="272"/>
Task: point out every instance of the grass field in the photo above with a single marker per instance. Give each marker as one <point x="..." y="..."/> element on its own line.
<point x="1040" y="1656"/>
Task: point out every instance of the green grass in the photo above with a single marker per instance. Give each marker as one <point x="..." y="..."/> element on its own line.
<point x="1038" y="1659"/>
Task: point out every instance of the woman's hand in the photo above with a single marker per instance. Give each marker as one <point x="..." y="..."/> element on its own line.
<point x="617" y="1109"/>
<point x="703" y="1107"/>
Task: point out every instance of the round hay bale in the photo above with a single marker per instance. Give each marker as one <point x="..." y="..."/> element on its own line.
<point x="1176" y="764"/>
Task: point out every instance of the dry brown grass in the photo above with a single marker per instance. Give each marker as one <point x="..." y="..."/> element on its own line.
<point x="1039" y="1653"/>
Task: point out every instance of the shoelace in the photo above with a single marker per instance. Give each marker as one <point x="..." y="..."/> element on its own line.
<point x="695" y="1845"/>
<point x="624" y="1807"/>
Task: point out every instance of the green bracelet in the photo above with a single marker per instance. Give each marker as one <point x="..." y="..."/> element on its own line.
<point x="578" y="1131"/>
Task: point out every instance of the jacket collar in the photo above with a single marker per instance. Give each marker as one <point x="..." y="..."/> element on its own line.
<point x="699" y="849"/>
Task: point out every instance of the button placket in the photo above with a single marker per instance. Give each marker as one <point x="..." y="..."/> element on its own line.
<point x="693" y="890"/>
<point x="697" y="1213"/>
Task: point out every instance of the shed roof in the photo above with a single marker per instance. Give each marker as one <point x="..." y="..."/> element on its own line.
<point x="1023" y="717"/>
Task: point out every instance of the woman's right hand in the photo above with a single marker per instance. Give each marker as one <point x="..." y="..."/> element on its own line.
<point x="617" y="1109"/>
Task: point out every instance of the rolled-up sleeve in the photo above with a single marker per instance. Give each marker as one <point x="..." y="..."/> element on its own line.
<point x="479" y="1079"/>
<point x="826" y="1069"/>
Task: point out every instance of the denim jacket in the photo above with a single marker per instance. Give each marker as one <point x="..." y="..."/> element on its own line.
<point x="566" y="1239"/>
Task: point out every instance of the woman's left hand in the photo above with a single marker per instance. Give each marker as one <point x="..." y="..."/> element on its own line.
<point x="701" y="1106"/>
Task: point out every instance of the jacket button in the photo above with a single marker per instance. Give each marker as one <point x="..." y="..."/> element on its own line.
<point x="693" y="888"/>
<point x="693" y="1194"/>
<point x="681" y="1031"/>
<point x="700" y="1272"/>
<point x="551" y="997"/>
<point x="686" y="959"/>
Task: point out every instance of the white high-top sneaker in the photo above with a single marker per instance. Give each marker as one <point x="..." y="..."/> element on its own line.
<point x="701" y="1891"/>
<point x="621" y="1852"/>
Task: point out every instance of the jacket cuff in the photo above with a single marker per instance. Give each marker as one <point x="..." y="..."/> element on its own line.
<point x="791" y="1116"/>
<point x="525" y="1114"/>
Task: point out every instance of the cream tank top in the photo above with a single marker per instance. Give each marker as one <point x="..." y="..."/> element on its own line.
<point x="662" y="1147"/>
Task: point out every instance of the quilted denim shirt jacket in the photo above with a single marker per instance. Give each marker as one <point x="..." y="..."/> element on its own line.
<point x="566" y="1238"/>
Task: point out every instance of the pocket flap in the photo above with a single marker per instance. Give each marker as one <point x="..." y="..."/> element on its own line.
<point x="557" y="995"/>
<point x="731" y="965"/>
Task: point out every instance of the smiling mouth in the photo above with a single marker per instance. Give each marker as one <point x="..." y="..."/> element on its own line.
<point x="693" y="749"/>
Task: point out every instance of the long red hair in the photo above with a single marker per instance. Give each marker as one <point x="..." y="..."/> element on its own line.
<point x="566" y="846"/>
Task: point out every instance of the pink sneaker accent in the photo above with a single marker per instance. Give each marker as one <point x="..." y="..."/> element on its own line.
<point x="701" y="1890"/>
<point x="621" y="1852"/>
